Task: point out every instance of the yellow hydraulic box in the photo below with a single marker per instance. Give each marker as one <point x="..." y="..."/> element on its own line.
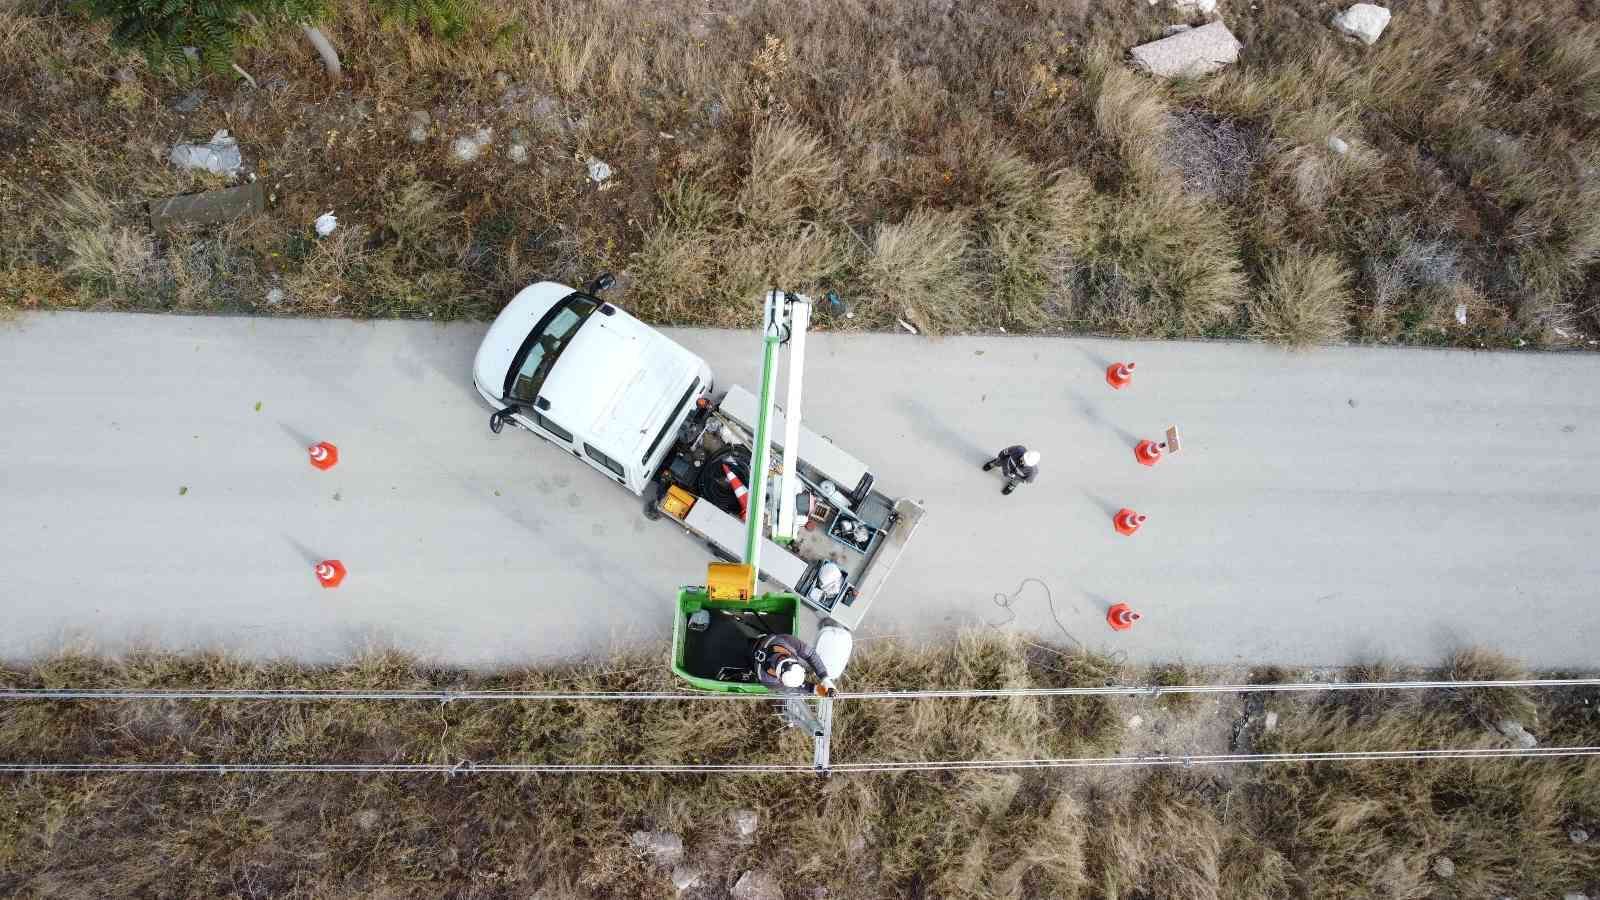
<point x="677" y="502"/>
<point x="730" y="581"/>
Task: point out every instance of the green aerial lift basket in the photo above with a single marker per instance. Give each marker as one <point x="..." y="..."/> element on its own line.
<point x="778" y="609"/>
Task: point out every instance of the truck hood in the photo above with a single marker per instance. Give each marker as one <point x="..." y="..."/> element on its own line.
<point x="509" y="330"/>
<point x="626" y="376"/>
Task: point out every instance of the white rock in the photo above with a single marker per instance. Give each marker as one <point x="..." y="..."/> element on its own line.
<point x="1365" y="21"/>
<point x="1444" y="867"/>
<point x="685" y="877"/>
<point x="755" y="885"/>
<point x="1574" y="895"/>
<point x="420" y="120"/>
<point x="1271" y="724"/>
<point x="599" y="170"/>
<point x="663" y="847"/>
<point x="1135" y="721"/>
<point x="220" y="156"/>
<point x="517" y="153"/>
<point x="1515" y="732"/>
<point x="1337" y="145"/>
<point x="907" y="325"/>
<point x="326" y="223"/>
<point x="1189" y="54"/>
<point x="1461" y="314"/>
<point x="1191" y="7"/>
<point x="465" y="149"/>
<point x="275" y="296"/>
<point x="1578" y="836"/>
<point x="745" y="822"/>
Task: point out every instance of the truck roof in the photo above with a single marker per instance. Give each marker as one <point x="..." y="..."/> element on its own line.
<point x="626" y="376"/>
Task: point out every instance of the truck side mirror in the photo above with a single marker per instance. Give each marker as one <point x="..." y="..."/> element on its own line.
<point x="604" y="282"/>
<point x="497" y="419"/>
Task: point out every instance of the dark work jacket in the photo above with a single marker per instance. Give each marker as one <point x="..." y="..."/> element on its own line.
<point x="1011" y="464"/>
<point x="777" y="647"/>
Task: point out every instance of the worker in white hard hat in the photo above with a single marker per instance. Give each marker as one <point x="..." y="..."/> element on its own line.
<point x="785" y="665"/>
<point x="1018" y="464"/>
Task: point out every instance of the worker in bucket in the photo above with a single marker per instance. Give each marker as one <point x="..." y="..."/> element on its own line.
<point x="785" y="664"/>
<point x="1018" y="464"/>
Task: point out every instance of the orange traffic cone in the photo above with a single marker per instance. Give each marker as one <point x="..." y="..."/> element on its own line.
<point x="1126" y="521"/>
<point x="1119" y="375"/>
<point x="323" y="455"/>
<point x="739" y="490"/>
<point x="1148" y="453"/>
<point x="1121" y="617"/>
<point x="330" y="572"/>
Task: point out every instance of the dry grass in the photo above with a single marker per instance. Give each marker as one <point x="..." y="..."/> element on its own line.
<point x="819" y="138"/>
<point x="1305" y="300"/>
<point x="1363" y="830"/>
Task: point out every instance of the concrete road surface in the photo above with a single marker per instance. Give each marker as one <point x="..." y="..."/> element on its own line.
<point x="1326" y="507"/>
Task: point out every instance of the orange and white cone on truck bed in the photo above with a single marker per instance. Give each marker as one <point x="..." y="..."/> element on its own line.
<point x="739" y="490"/>
<point x="330" y="572"/>
<point x="1121" y="617"/>
<point x="1119" y="375"/>
<point x="1126" y="521"/>
<point x="323" y="455"/>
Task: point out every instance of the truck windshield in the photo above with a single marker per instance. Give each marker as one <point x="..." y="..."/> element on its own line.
<point x="544" y="345"/>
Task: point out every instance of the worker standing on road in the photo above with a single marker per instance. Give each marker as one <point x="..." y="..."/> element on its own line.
<point x="784" y="664"/>
<point x="1017" y="463"/>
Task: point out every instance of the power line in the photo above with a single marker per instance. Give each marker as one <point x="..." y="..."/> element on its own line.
<point x="448" y="696"/>
<point x="473" y="768"/>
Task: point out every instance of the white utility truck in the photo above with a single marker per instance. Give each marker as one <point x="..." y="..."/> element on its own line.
<point x="643" y="410"/>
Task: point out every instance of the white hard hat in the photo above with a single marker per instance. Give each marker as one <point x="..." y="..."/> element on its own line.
<point x="791" y="674"/>
<point x="1031" y="458"/>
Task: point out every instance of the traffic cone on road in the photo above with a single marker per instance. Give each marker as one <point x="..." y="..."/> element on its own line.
<point x="323" y="455"/>
<point x="1148" y="453"/>
<point x="740" y="491"/>
<point x="330" y="572"/>
<point x="1119" y="375"/>
<point x="1121" y="617"/>
<point x="1126" y="521"/>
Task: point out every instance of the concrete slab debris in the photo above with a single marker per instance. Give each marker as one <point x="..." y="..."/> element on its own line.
<point x="1189" y="54"/>
<point x="1364" y="21"/>
<point x="207" y="208"/>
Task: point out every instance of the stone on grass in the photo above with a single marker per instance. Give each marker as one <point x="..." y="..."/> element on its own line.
<point x="685" y="877"/>
<point x="275" y="296"/>
<point x="517" y="153"/>
<point x="1271" y="722"/>
<point x="467" y="149"/>
<point x="599" y="170"/>
<point x="1515" y="732"/>
<point x="745" y="823"/>
<point x="1205" y="7"/>
<point x="1364" y="21"/>
<point x="1337" y="145"/>
<point x="756" y="885"/>
<point x="189" y="102"/>
<point x="419" y="122"/>
<point x="1578" y="836"/>
<point x="1189" y="54"/>
<point x="1444" y="867"/>
<point x="220" y="156"/>
<point x="663" y="847"/>
<point x="1574" y="895"/>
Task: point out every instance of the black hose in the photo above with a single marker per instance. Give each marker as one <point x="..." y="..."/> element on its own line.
<point x="712" y="482"/>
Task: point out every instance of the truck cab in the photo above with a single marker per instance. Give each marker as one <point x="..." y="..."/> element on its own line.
<point x="590" y="378"/>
